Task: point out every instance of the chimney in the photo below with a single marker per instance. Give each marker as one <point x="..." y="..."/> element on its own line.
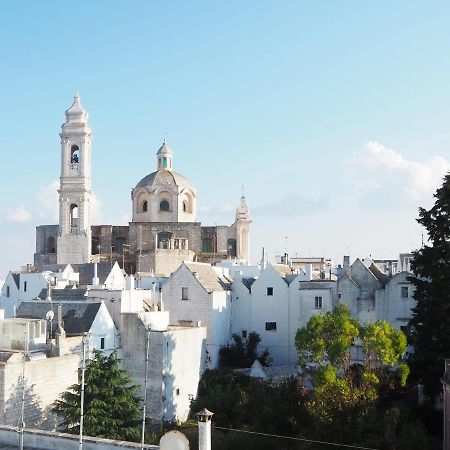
<point x="49" y="292"/>
<point x="390" y="268"/>
<point x="95" y="280"/>
<point x="308" y="271"/>
<point x="346" y="264"/>
<point x="204" y="429"/>
<point x="60" y="321"/>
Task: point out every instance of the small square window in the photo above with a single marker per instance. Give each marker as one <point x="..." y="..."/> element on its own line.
<point x="244" y="334"/>
<point x="318" y="302"/>
<point x="270" y="291"/>
<point x="271" y="326"/>
<point x="184" y="293"/>
<point x="102" y="343"/>
<point x="404" y="292"/>
<point x="339" y="295"/>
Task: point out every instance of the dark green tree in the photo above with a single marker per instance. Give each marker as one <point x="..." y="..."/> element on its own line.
<point x="111" y="406"/>
<point x="243" y="352"/>
<point x="429" y="329"/>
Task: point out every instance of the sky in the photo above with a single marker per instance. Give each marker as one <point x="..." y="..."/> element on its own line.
<point x="334" y="116"/>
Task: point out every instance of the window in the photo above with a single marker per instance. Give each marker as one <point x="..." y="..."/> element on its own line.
<point x="73" y="215"/>
<point x="95" y="246"/>
<point x="270" y="291"/>
<point x="102" y="343"/>
<point x="51" y="245"/>
<point x="24" y="286"/>
<point x="144" y="206"/>
<point x="8" y="293"/>
<point x="164" y="205"/>
<point x="74" y="156"/>
<point x="244" y="334"/>
<point x="164" y="162"/>
<point x="404" y="292"/>
<point x="184" y="293"/>
<point x="176" y="244"/>
<point x="231" y="248"/>
<point x="178" y="391"/>
<point x="339" y="295"/>
<point x="318" y="302"/>
<point x="207" y="245"/>
<point x="184" y="207"/>
<point x="271" y="326"/>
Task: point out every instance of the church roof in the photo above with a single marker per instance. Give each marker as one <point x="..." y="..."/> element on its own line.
<point x="151" y="179"/>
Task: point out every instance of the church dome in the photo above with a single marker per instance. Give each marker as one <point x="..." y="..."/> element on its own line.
<point x="152" y="180"/>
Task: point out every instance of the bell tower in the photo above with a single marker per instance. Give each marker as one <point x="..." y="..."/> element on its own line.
<point x="75" y="196"/>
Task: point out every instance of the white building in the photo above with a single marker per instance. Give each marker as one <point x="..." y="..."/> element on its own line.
<point x="199" y="292"/>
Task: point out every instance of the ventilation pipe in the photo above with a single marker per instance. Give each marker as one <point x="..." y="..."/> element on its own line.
<point x="204" y="429"/>
<point x="95" y="280"/>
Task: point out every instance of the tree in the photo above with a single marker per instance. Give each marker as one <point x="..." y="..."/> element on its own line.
<point x="111" y="406"/>
<point x="344" y="394"/>
<point x="243" y="352"/>
<point x="429" y="327"/>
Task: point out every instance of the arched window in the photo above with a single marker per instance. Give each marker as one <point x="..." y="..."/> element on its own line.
<point x="207" y="245"/>
<point x="51" y="245"/>
<point x="164" y="205"/>
<point x="73" y="215"/>
<point x="185" y="207"/>
<point x="74" y="156"/>
<point x="144" y="206"/>
<point x="231" y="248"/>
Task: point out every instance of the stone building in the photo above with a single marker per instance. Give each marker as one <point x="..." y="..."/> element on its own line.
<point x="164" y="230"/>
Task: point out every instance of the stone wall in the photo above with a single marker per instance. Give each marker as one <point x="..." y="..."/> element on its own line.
<point x="45" y="380"/>
<point x="50" y="440"/>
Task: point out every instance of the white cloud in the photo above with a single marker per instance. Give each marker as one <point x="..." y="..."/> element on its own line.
<point x="376" y="164"/>
<point x="19" y="214"/>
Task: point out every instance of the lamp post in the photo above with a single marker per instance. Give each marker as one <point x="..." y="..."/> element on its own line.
<point x="204" y="429"/>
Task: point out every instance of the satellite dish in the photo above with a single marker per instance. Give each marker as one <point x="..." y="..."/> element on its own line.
<point x="174" y="440"/>
<point x="50" y="315"/>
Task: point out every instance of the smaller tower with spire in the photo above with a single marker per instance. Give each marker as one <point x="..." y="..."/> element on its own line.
<point x="242" y="224"/>
<point x="164" y="156"/>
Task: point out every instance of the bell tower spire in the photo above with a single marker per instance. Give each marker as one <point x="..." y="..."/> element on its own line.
<point x="75" y="196"/>
<point x="164" y="156"/>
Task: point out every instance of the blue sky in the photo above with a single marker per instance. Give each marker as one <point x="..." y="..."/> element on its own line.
<point x="334" y="115"/>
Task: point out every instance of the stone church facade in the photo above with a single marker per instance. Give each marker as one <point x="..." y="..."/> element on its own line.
<point x="164" y="230"/>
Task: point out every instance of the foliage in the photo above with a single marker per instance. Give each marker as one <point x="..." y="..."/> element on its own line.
<point x="111" y="406"/>
<point x="243" y="352"/>
<point x="428" y="329"/>
<point x="345" y="396"/>
<point x="326" y="339"/>
<point x="239" y="400"/>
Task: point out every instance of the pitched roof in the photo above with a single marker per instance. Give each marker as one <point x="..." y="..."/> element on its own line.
<point x="208" y="277"/>
<point x="285" y="272"/>
<point x="247" y="282"/>
<point x="51" y="267"/>
<point x="16" y="278"/>
<point x="77" y="316"/>
<point x="64" y="294"/>
<point x="86" y="272"/>
<point x="378" y="274"/>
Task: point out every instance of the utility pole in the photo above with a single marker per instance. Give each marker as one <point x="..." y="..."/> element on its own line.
<point x="22" y="413"/>
<point x="144" y="409"/>
<point x="83" y="368"/>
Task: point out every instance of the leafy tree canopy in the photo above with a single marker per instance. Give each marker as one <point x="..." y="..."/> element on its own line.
<point x="343" y="394"/>
<point x="111" y="406"/>
<point x="429" y="328"/>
